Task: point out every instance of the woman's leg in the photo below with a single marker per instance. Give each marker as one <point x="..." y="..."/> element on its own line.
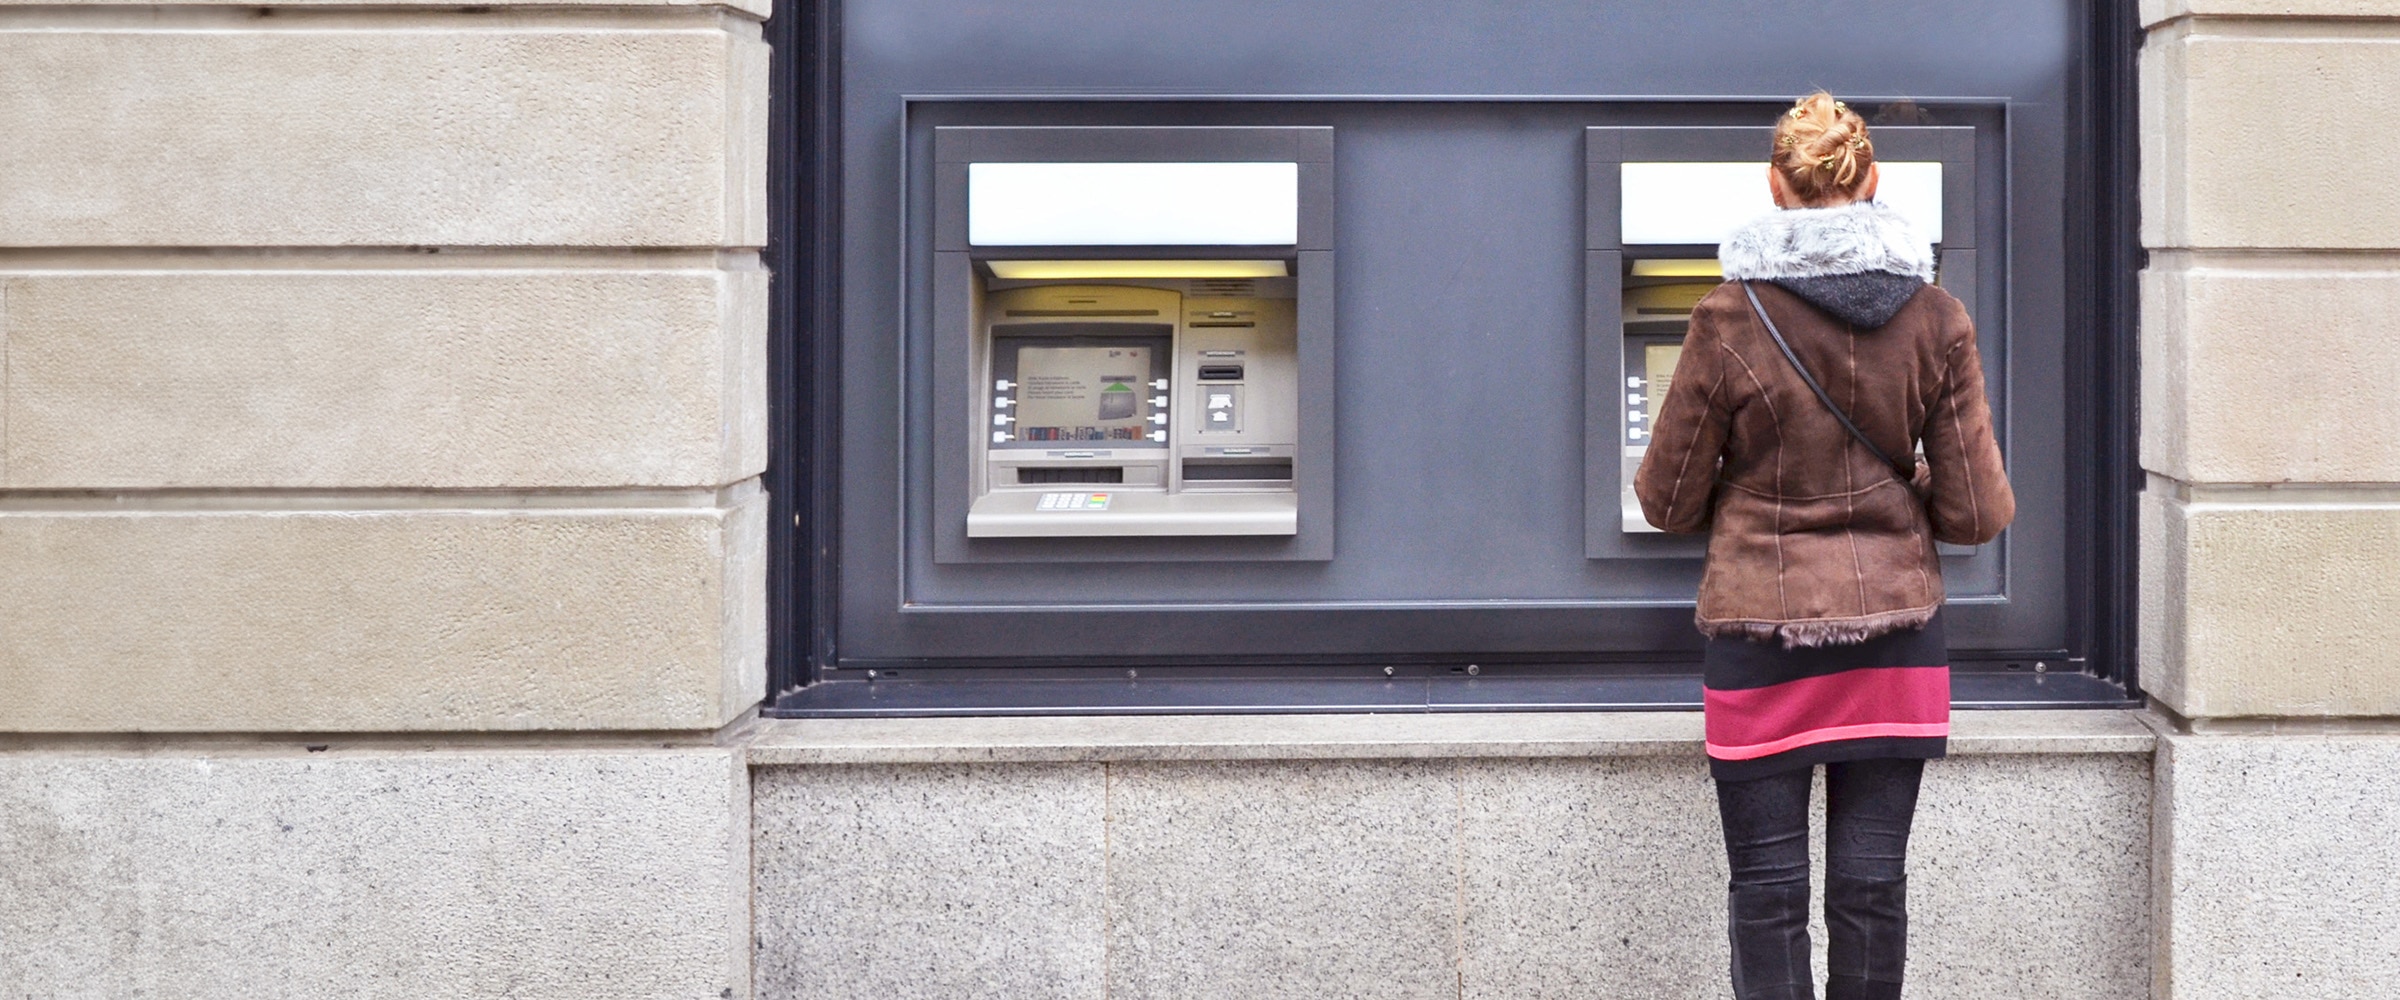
<point x="1766" y="845"/>
<point x="1868" y="807"/>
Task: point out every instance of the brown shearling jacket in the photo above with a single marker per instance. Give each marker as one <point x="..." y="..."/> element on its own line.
<point x="1812" y="540"/>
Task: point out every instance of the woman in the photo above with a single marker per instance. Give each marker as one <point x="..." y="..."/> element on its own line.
<point x="1822" y="595"/>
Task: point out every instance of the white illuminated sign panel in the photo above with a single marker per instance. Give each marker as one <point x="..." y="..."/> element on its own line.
<point x="1133" y="204"/>
<point x="1705" y="202"/>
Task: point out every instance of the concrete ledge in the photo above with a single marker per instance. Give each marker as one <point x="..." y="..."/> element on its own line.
<point x="356" y="378"/>
<point x="550" y="875"/>
<point x="1359" y="737"/>
<point x="433" y="130"/>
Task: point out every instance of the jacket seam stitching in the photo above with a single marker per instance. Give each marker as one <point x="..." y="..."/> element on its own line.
<point x="1858" y="567"/>
<point x="1885" y="483"/>
<point x="1781" y="598"/>
<point x="1959" y="431"/>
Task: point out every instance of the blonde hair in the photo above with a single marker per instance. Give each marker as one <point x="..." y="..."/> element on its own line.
<point x="1822" y="150"/>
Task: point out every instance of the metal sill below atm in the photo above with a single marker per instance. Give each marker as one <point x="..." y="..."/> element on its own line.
<point x="1024" y="515"/>
<point x="1165" y="693"/>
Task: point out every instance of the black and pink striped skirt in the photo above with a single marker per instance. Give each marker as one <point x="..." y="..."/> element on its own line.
<point x="1771" y="709"/>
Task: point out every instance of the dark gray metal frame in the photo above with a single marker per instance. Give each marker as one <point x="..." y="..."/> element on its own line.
<point x="806" y="556"/>
<point x="954" y="261"/>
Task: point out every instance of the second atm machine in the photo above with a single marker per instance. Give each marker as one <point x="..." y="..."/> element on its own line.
<point x="1658" y="202"/>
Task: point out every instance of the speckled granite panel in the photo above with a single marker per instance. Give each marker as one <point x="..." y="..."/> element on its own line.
<point x="373" y="875"/>
<point x="2281" y="868"/>
<point x="1283" y="881"/>
<point x="2029" y="876"/>
<point x="930" y="882"/>
<point x="1593" y="878"/>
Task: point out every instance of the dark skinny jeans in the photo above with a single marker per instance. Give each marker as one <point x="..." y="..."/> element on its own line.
<point x="1868" y="807"/>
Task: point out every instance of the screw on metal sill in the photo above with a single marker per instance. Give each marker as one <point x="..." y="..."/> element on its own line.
<point x="1473" y="669"/>
<point x="1132" y="674"/>
<point x="2041" y="667"/>
<point x="1388" y="671"/>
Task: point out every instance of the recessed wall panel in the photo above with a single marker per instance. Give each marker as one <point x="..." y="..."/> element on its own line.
<point x="1459" y="404"/>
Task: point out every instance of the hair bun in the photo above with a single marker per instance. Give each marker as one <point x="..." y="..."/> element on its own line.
<point x="1822" y="151"/>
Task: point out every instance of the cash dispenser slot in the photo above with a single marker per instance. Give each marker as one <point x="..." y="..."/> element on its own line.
<point x="1053" y="475"/>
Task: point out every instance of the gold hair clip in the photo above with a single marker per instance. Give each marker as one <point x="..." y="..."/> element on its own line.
<point x="1827" y="163"/>
<point x="1788" y="141"/>
<point x="1839" y="107"/>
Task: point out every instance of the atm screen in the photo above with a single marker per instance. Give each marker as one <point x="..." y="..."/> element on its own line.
<point x="1083" y="393"/>
<point x="1659" y="360"/>
<point x="1081" y="383"/>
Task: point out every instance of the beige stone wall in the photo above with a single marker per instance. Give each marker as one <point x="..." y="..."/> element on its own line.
<point x="380" y="368"/>
<point x="2271" y="527"/>
<point x="382" y="544"/>
<point x="2269" y="358"/>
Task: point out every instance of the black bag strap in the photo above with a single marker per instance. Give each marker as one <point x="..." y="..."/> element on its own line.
<point x="1907" y="478"/>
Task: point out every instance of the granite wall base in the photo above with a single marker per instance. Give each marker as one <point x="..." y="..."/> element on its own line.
<point x="275" y="872"/>
<point x="1485" y="878"/>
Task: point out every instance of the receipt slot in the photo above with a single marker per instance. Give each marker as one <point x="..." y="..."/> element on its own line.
<point x="1658" y="202"/>
<point x="1134" y="311"/>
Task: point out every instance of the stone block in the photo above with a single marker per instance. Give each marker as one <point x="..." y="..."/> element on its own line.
<point x="2261" y="603"/>
<point x="2028" y="877"/>
<point x="381" y="620"/>
<point x="2256" y="135"/>
<point x="412" y="378"/>
<point x="2271" y="369"/>
<point x="2277" y="868"/>
<point x="927" y="882"/>
<point x="563" y="875"/>
<point x="1283" y="880"/>
<point x="253" y="128"/>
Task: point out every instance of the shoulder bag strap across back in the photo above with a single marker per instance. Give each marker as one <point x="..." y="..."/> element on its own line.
<point x="1907" y="479"/>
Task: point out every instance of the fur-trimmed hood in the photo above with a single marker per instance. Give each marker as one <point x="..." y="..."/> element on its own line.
<point x="1822" y="242"/>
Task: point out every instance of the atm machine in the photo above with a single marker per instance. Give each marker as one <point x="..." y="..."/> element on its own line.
<point x="1658" y="202"/>
<point x="1130" y="316"/>
<point x="1163" y="406"/>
